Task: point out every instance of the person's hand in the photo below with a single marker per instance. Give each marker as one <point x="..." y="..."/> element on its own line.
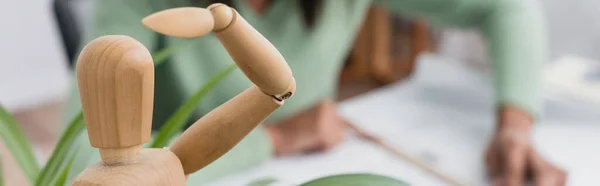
<point x="511" y="159"/>
<point x="316" y="129"/>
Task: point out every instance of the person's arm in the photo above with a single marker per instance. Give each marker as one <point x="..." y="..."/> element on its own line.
<point x="516" y="38"/>
<point x="517" y="41"/>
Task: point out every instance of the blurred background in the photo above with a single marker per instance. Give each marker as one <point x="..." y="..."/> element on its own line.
<point x="40" y="38"/>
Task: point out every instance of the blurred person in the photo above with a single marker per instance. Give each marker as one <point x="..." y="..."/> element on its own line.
<point x="315" y="36"/>
<point x="34" y="79"/>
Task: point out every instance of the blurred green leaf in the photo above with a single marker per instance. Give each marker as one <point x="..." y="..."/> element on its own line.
<point x="178" y="120"/>
<point x="64" y="173"/>
<point x="355" y="180"/>
<point x="61" y="152"/>
<point x="18" y="144"/>
<point x="162" y="55"/>
<point x="262" y="182"/>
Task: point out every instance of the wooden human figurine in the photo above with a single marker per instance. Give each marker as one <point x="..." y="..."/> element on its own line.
<point x="116" y="83"/>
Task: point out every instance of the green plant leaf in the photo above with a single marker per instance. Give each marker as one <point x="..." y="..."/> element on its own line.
<point x="262" y="182"/>
<point x="61" y="152"/>
<point x="355" y="180"/>
<point x="162" y="55"/>
<point x="177" y="121"/>
<point x="64" y="173"/>
<point x="18" y="144"/>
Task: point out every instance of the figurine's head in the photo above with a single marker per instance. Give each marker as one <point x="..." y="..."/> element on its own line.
<point x="115" y="75"/>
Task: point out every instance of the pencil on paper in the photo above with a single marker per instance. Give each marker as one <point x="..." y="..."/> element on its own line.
<point x="414" y="160"/>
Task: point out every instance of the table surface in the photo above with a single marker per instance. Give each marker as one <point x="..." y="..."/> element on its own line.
<point x="444" y="116"/>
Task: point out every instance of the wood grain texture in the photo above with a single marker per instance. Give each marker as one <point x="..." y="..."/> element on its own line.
<point x="223" y="18"/>
<point x="185" y="22"/>
<point x="116" y="82"/>
<point x="120" y="155"/>
<point x="115" y="75"/>
<point x="260" y="61"/>
<point x="253" y="53"/>
<point x="155" y="167"/>
<point x="221" y="129"/>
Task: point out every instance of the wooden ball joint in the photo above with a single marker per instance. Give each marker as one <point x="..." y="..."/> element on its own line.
<point x="116" y="83"/>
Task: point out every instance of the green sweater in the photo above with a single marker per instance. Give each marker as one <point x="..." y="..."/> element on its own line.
<point x="514" y="30"/>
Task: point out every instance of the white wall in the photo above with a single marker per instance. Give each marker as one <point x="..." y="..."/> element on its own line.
<point x="33" y="67"/>
<point x="574" y="29"/>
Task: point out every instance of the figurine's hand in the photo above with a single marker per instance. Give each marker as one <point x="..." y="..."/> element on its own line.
<point x="510" y="157"/>
<point x="316" y="129"/>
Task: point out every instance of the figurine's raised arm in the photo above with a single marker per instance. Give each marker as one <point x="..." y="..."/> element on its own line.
<point x="217" y="132"/>
<point x="252" y="52"/>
